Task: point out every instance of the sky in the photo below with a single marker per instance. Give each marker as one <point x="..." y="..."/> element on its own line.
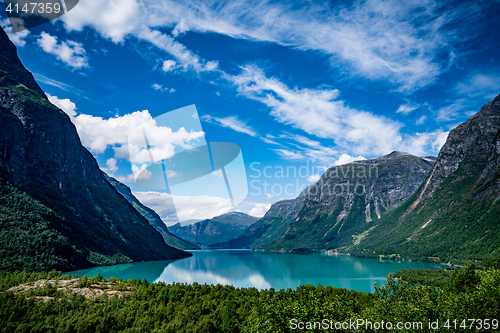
<point x="299" y="86"/>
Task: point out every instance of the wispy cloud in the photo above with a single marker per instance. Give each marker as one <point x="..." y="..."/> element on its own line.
<point x="451" y="111"/>
<point x="421" y="120"/>
<point x="407" y="108"/>
<point x="319" y="112"/>
<point x="391" y="40"/>
<point x="54" y="83"/>
<point x="187" y="59"/>
<point x="160" y="87"/>
<point x="480" y="85"/>
<point x="231" y="122"/>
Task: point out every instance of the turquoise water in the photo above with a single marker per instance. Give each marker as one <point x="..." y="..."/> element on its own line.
<point x="246" y="268"/>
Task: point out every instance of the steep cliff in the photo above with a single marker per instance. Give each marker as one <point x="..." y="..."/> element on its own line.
<point x="454" y="215"/>
<point x="349" y="199"/>
<point x="41" y="155"/>
<point x="152" y="217"/>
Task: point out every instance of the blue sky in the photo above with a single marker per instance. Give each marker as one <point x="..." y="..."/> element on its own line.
<point x="294" y="84"/>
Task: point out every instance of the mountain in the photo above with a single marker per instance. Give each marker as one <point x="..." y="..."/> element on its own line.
<point x="348" y="200"/>
<point x="58" y="210"/>
<point x="216" y="230"/>
<point x="150" y="215"/>
<point x="269" y="227"/>
<point x="454" y="215"/>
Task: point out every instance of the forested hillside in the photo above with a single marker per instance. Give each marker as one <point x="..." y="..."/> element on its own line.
<point x="454" y="215"/>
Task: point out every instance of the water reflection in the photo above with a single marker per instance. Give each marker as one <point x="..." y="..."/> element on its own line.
<point x="245" y="268"/>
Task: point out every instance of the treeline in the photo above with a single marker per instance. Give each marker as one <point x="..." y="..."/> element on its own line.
<point x="465" y="293"/>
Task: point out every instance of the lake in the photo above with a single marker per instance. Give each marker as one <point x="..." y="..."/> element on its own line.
<point x="262" y="270"/>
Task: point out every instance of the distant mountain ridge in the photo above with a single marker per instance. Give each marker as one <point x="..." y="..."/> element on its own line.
<point x="218" y="229"/>
<point x="150" y="215"/>
<point x="58" y="210"/>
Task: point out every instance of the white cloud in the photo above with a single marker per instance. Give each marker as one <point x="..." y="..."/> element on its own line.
<point x="269" y="196"/>
<point x="188" y="207"/>
<point x="69" y="52"/>
<point x="231" y="122"/>
<point x="440" y="140"/>
<point x="180" y="28"/>
<point x="186" y="58"/>
<point x="319" y="112"/>
<point x="313" y="178"/>
<point x="64" y="104"/>
<point x="157" y="86"/>
<point x="168" y="65"/>
<point x="138" y="172"/>
<point x="113" y="19"/>
<point x="425" y="143"/>
<point x="15" y="37"/>
<point x="345" y="158"/>
<point x="259" y="209"/>
<point x="172" y="90"/>
<point x="450" y="112"/>
<point x="98" y="134"/>
<point x="217" y="174"/>
<point x="421" y="120"/>
<point x="110" y="166"/>
<point x="383" y="40"/>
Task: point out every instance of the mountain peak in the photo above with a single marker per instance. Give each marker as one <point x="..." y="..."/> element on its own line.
<point x="12" y="71"/>
<point x="454" y="213"/>
<point x="396" y="154"/>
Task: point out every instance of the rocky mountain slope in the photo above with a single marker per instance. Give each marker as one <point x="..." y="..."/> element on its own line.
<point x="79" y="219"/>
<point x="272" y="225"/>
<point x="348" y="200"/>
<point x="216" y="230"/>
<point x="150" y="215"/>
<point x="454" y="215"/>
